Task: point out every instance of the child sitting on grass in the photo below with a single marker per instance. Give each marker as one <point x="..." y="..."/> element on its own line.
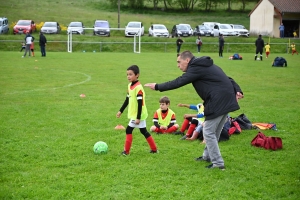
<point x="164" y="118"/>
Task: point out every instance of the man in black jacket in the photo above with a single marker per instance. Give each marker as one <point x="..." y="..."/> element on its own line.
<point x="43" y="43"/>
<point x="259" y="43"/>
<point x="219" y="93"/>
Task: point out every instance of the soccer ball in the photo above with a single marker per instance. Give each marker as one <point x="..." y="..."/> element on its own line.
<point x="100" y="148"/>
<point x="257" y="58"/>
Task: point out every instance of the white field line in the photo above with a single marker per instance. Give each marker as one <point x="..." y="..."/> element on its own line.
<point x="88" y="78"/>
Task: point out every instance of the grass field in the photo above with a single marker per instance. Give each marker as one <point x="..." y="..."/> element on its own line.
<point x="47" y="131"/>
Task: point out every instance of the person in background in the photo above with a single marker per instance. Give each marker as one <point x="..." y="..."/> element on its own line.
<point x="221" y="45"/>
<point x="267" y="47"/>
<point x="32" y="48"/>
<point x="23" y="46"/>
<point x="28" y="40"/>
<point x="293" y="46"/>
<point x="137" y="110"/>
<point x="259" y="43"/>
<point x="281" y="29"/>
<point x="199" y="43"/>
<point x="219" y="93"/>
<point x="164" y="118"/>
<point x="43" y="43"/>
<point x="179" y="42"/>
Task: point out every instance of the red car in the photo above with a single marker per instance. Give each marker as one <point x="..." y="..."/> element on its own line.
<point x="24" y="26"/>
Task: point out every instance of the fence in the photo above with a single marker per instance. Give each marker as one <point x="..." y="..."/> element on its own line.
<point x="78" y="46"/>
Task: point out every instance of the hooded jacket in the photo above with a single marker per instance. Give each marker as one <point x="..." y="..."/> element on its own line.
<point x="215" y="88"/>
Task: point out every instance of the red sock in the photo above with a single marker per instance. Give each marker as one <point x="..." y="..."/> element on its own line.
<point x="184" y="126"/>
<point x="128" y="142"/>
<point x="151" y="143"/>
<point x="191" y="130"/>
<point x="171" y="129"/>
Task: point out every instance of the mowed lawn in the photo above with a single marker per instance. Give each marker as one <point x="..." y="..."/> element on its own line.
<point x="47" y="131"/>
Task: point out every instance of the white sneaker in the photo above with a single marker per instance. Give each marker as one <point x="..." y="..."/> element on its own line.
<point x="22" y="56"/>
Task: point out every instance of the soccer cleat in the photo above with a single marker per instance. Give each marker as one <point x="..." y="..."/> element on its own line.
<point x="211" y="166"/>
<point x="202" y="159"/>
<point x="152" y="151"/>
<point x="124" y="153"/>
<point x="184" y="137"/>
<point x="178" y="133"/>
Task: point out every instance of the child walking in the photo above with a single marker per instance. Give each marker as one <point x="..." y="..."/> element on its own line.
<point x="137" y="110"/>
<point x="294" y="49"/>
<point x="164" y="118"/>
<point x="267" y="47"/>
<point x="23" y="46"/>
<point x="32" y="48"/>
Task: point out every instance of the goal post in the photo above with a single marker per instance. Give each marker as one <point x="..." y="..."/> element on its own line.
<point x="135" y="40"/>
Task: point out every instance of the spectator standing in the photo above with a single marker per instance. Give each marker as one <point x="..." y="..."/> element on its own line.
<point x="179" y="42"/>
<point x="28" y="40"/>
<point x="221" y="45"/>
<point x="219" y="93"/>
<point x="259" y="43"/>
<point x="281" y="29"/>
<point x="43" y="43"/>
<point x="199" y="43"/>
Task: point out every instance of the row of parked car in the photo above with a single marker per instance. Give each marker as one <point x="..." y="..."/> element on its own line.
<point x="102" y="27"/>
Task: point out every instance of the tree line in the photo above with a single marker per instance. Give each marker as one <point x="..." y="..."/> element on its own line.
<point x="184" y="5"/>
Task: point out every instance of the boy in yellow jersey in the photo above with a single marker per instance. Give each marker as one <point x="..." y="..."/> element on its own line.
<point x="164" y="118"/>
<point x="294" y="49"/>
<point x="191" y="121"/>
<point x="137" y="110"/>
<point x="267" y="47"/>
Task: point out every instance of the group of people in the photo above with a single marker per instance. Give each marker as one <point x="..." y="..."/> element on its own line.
<point x="220" y="95"/>
<point x="179" y="42"/>
<point x="28" y="45"/>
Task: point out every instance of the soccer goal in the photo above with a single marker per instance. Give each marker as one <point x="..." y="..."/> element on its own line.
<point x="136" y="40"/>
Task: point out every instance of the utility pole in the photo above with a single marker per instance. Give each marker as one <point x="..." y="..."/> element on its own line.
<point x="119" y="13"/>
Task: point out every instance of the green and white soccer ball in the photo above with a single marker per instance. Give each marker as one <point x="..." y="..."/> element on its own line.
<point x="100" y="148"/>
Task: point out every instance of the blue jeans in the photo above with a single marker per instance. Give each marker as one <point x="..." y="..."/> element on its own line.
<point x="282" y="34"/>
<point x="43" y="51"/>
<point x="178" y="48"/>
<point x="199" y="48"/>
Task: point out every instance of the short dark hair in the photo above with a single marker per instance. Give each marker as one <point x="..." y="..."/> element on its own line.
<point x="134" y="68"/>
<point x="186" y="54"/>
<point x="165" y="100"/>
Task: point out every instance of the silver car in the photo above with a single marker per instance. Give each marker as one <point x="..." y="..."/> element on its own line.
<point x="51" y="28"/>
<point x="76" y="28"/>
<point x="240" y="30"/>
<point x="4" y="26"/>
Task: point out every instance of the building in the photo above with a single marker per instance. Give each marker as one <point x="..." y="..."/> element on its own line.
<point x="267" y="15"/>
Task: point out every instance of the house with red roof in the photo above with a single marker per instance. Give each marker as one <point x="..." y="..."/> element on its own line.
<point x="267" y="15"/>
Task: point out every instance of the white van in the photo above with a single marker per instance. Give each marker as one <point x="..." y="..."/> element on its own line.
<point x="4" y="26"/>
<point x="134" y="28"/>
<point x="210" y="24"/>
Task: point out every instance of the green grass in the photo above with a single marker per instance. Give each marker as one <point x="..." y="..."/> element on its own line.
<point x="48" y="131"/>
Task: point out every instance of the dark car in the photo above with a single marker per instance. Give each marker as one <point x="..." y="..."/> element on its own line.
<point x="180" y="30"/>
<point x="203" y="31"/>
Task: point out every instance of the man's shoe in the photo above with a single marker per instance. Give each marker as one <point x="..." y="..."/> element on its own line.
<point x="202" y="159"/>
<point x="211" y="166"/>
<point x="124" y="153"/>
<point x="184" y="137"/>
<point x="178" y="133"/>
<point x="152" y="151"/>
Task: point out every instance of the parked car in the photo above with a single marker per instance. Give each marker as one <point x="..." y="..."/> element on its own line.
<point x="76" y="28"/>
<point x="24" y="26"/>
<point x="134" y="28"/>
<point x="158" y="30"/>
<point x="210" y="24"/>
<point x="203" y="31"/>
<point x="4" y="26"/>
<point x="101" y="27"/>
<point x="224" y="29"/>
<point x="180" y="30"/>
<point x="240" y="30"/>
<point x="51" y="28"/>
<point x="191" y="32"/>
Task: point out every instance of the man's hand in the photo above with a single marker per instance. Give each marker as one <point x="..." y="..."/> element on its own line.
<point x="118" y="114"/>
<point x="150" y="85"/>
<point x="239" y="96"/>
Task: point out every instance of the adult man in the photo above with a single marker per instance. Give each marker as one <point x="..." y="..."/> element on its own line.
<point x="219" y="93"/>
<point x="259" y="43"/>
<point x="281" y="29"/>
<point x="43" y="43"/>
<point x="28" y="40"/>
<point x="221" y="45"/>
<point x="179" y="42"/>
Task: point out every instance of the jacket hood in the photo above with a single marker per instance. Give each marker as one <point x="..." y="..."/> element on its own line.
<point x="204" y="61"/>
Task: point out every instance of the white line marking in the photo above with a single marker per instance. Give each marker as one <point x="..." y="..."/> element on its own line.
<point x="55" y="88"/>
